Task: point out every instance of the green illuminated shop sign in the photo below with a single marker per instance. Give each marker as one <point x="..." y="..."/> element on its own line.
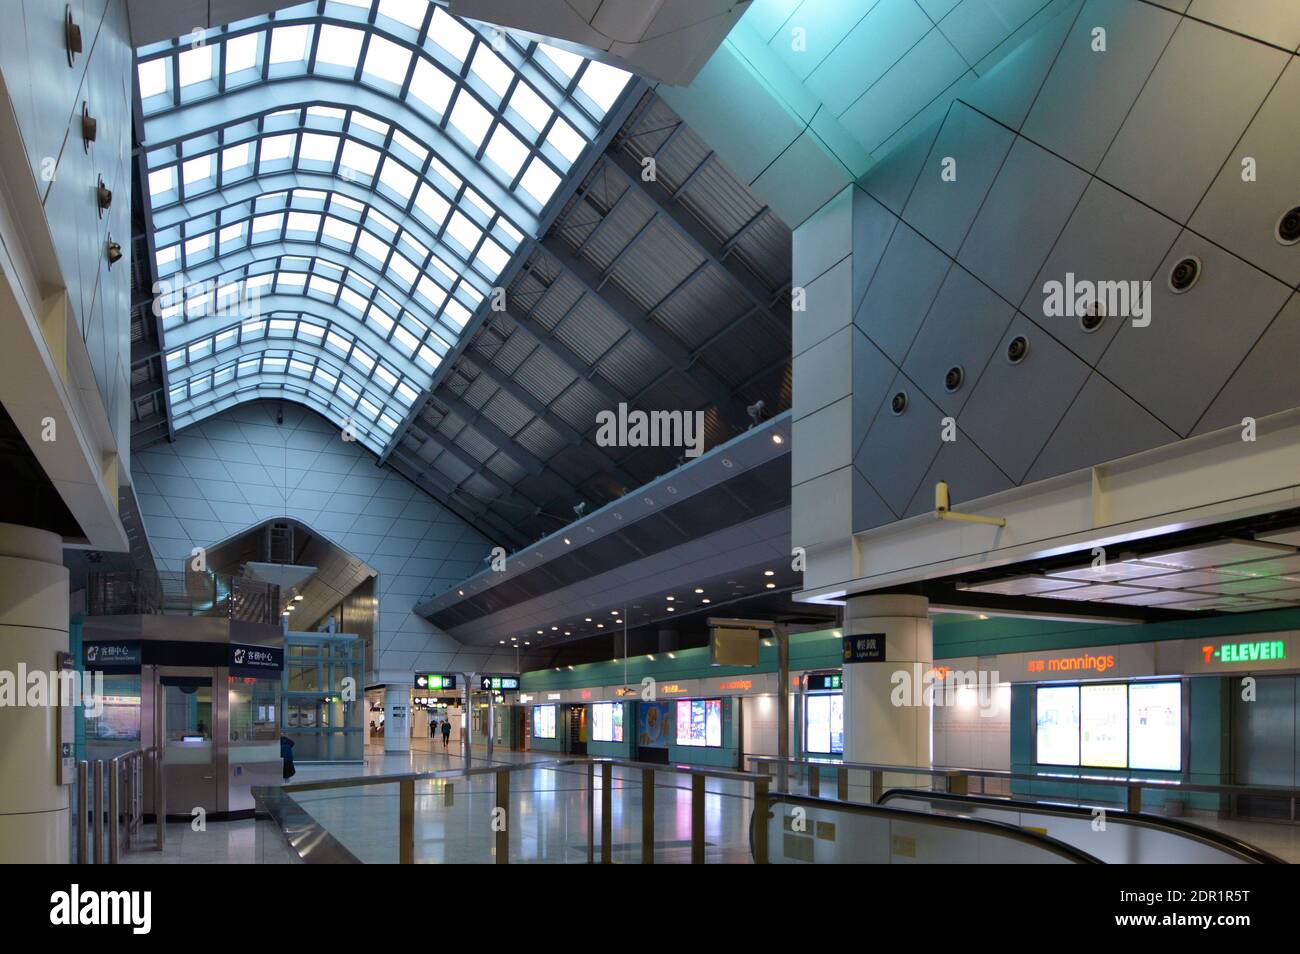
<point x="1245" y="652"/>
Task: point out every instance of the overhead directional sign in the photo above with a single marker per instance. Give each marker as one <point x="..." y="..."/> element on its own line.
<point x="499" y="683"/>
<point x="435" y="680"/>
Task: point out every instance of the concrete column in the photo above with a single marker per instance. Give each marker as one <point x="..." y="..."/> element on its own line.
<point x="397" y="718"/>
<point x="34" y="819"/>
<point x="875" y="728"/>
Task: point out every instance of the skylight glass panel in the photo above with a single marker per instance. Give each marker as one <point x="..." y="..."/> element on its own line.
<point x="366" y="121"/>
<point x="463" y="231"/>
<point x="195" y="65"/>
<point x="565" y="140"/>
<point x="277" y="147"/>
<point x="230" y="233"/>
<point x="490" y="68"/>
<point x="567" y="62"/>
<point x="162" y="180"/>
<point x="268" y="223"/>
<point x="603" y="83"/>
<point x="505" y="149"/>
<point x="450" y="35"/>
<point x="339" y="46"/>
<point x="340" y="231"/>
<point x="531" y="107"/>
<point x="470" y="118"/>
<point x="387" y="61"/>
<point x="372" y="246"/>
<point x="235" y="158"/>
<point x="457" y="312"/>
<point x="353" y="300"/>
<point x="289" y="43"/>
<point x="360" y="158"/>
<point x="153" y="77"/>
<point x="324" y="287"/>
<point x="318" y="148"/>
<point x="195" y="170"/>
<point x="241" y="53"/>
<point x="408" y="12"/>
<point x="433" y="205"/>
<point x="493" y="257"/>
<point x="303" y="222"/>
<point x="397" y="177"/>
<point x="404" y="338"/>
<point x="432" y="86"/>
<point x="539" y="181"/>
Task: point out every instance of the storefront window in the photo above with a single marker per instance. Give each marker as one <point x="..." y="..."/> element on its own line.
<point x="825" y="721"/>
<point x="119" y="719"/>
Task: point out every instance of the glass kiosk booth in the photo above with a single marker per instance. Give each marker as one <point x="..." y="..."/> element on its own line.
<point x="207" y="691"/>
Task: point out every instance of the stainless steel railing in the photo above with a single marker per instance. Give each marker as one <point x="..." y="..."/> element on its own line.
<point x="119" y="824"/>
<point x="319" y="845"/>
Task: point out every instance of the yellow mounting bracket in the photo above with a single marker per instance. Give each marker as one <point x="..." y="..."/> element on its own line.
<point x="944" y="511"/>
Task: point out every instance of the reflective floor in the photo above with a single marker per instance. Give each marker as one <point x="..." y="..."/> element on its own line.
<point x="547" y="820"/>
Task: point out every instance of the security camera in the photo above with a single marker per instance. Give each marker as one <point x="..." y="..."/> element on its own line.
<point x="755" y="411"/>
<point x="580" y="507"/>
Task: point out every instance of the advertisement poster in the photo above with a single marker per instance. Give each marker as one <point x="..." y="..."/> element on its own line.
<point x="544" y="722"/>
<point x="713" y="722"/>
<point x="654" y="724"/>
<point x="1058" y="725"/>
<point x="607" y="722"/>
<point x="1103" y="721"/>
<point x="699" y="722"/>
<point x="825" y="720"/>
<point x="1155" y="714"/>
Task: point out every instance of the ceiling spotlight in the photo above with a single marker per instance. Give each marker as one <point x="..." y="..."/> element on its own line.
<point x="672" y="656"/>
<point x="566" y="542"/>
<point x="298" y="598"/>
<point x="706" y="601"/>
<point x="461" y="592"/>
<point x="567" y="633"/>
<point x="527" y="643"/>
<point x="670" y="598"/>
<point x="769" y="573"/>
<point x="672" y="609"/>
<point x="570" y="669"/>
<point x="699" y="590"/>
<point x="600" y="625"/>
<point x="613" y="612"/>
<point x="650" y="656"/>
<point x="501" y="641"/>
<point x="587" y="619"/>
<point x="539" y="632"/>
<point x="778" y="439"/>
<point x="555" y="629"/>
<point x="771" y="586"/>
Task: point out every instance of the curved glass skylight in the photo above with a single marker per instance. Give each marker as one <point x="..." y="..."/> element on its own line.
<point x="334" y="189"/>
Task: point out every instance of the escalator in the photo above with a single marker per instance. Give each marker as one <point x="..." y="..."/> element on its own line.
<point x="1111" y="835"/>
<point x="805" y="830"/>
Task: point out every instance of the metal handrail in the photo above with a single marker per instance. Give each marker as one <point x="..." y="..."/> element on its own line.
<point x="1001" y="829"/>
<point x="109" y="777"/>
<point x="269" y="799"/>
<point x="1206" y="836"/>
<point x="957" y="777"/>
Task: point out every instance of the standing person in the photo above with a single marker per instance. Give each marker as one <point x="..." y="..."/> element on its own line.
<point x="433" y="726"/>
<point x="286" y="756"/>
<point x="446" y="732"/>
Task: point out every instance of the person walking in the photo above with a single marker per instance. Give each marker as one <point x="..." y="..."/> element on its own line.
<point x="286" y="756"/>
<point x="446" y="732"/>
<point x="433" y="727"/>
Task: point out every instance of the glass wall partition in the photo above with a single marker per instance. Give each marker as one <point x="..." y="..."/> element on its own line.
<point x="323" y="703"/>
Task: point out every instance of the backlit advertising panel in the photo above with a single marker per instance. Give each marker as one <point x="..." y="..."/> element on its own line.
<point x="699" y="722"/>
<point x="607" y="722"/>
<point x="544" y="722"/>
<point x="1058" y="725"/>
<point x="1155" y="718"/>
<point x="1103" y="724"/>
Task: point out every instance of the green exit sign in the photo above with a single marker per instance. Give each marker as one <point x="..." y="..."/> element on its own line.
<point x="1245" y="652"/>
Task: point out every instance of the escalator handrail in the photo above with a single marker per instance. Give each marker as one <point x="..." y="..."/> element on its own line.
<point x="1002" y="829"/>
<point x="1243" y="849"/>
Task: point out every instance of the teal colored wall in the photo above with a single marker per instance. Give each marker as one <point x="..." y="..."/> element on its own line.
<point x="614" y="750"/>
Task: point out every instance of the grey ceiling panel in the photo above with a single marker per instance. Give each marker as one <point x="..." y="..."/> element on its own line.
<point x="1266" y="381"/>
<point x="1088" y="93"/>
<point x="1110" y="237"/>
<point x="1050" y="373"/>
<point x="1238" y="556"/>
<point x="961" y="330"/>
<point x="892" y="179"/>
<point x="1156" y="598"/>
<point x="1273" y="21"/>
<point x="1102" y="424"/>
<point x="1028" y="205"/>
<point x="967" y="471"/>
<point x="1279" y="565"/>
<point x="872" y="375"/>
<point x="1008" y="90"/>
<point x="1110" y="572"/>
<point x="868" y="509"/>
<point x="1176" y="365"/>
<point x="1028" y="585"/>
<point x="866" y="52"/>
<point x="943" y="211"/>
<point x="899" y="448"/>
<point x="1098" y="591"/>
<point x="1243" y="215"/>
<point x="1196" y="105"/>
<point x="905" y="284"/>
<point x="975" y="27"/>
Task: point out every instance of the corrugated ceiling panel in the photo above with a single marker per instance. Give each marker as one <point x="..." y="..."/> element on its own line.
<point x="590" y="330"/>
<point x="702" y="309"/>
<point x="543" y="376"/>
<point x="541" y="438"/>
<point x="631" y="365"/>
<point x="505" y="411"/>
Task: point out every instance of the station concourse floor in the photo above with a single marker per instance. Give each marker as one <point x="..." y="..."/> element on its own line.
<point x="548" y="817"/>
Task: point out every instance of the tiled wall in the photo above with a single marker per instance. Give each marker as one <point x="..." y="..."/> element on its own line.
<point x="1110" y="164"/>
<point x="240" y="468"/>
